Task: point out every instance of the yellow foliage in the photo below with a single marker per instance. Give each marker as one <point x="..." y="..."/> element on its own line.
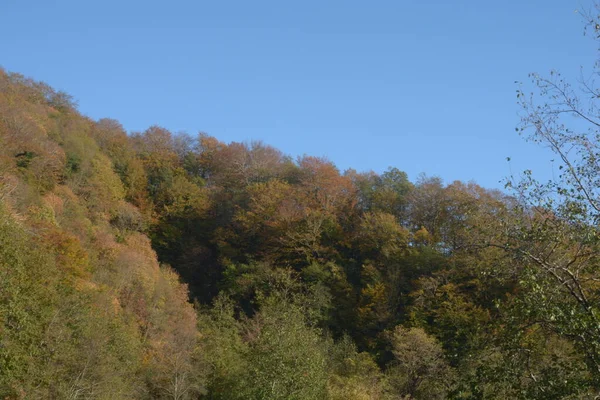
<point x="422" y="236"/>
<point x="105" y="187"/>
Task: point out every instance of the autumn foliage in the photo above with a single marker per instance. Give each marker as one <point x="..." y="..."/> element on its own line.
<point x="155" y="265"/>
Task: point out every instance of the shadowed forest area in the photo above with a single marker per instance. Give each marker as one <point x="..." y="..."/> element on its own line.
<point x="155" y="265"/>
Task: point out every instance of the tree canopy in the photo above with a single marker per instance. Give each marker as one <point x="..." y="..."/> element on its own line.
<point x="155" y="265"/>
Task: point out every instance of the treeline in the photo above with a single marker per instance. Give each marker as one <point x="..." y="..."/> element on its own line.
<point x="307" y="282"/>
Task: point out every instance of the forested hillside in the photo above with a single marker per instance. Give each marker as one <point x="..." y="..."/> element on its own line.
<point x="166" y="266"/>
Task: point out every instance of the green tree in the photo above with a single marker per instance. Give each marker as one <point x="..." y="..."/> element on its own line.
<point x="420" y="369"/>
<point x="557" y="240"/>
<point x="276" y="354"/>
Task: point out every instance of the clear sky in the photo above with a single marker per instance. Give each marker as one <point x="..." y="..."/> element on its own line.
<point x="425" y="86"/>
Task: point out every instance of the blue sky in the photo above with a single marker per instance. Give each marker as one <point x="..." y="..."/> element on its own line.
<point x="424" y="86"/>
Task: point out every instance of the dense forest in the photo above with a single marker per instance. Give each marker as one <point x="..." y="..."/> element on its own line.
<point x="155" y="265"/>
